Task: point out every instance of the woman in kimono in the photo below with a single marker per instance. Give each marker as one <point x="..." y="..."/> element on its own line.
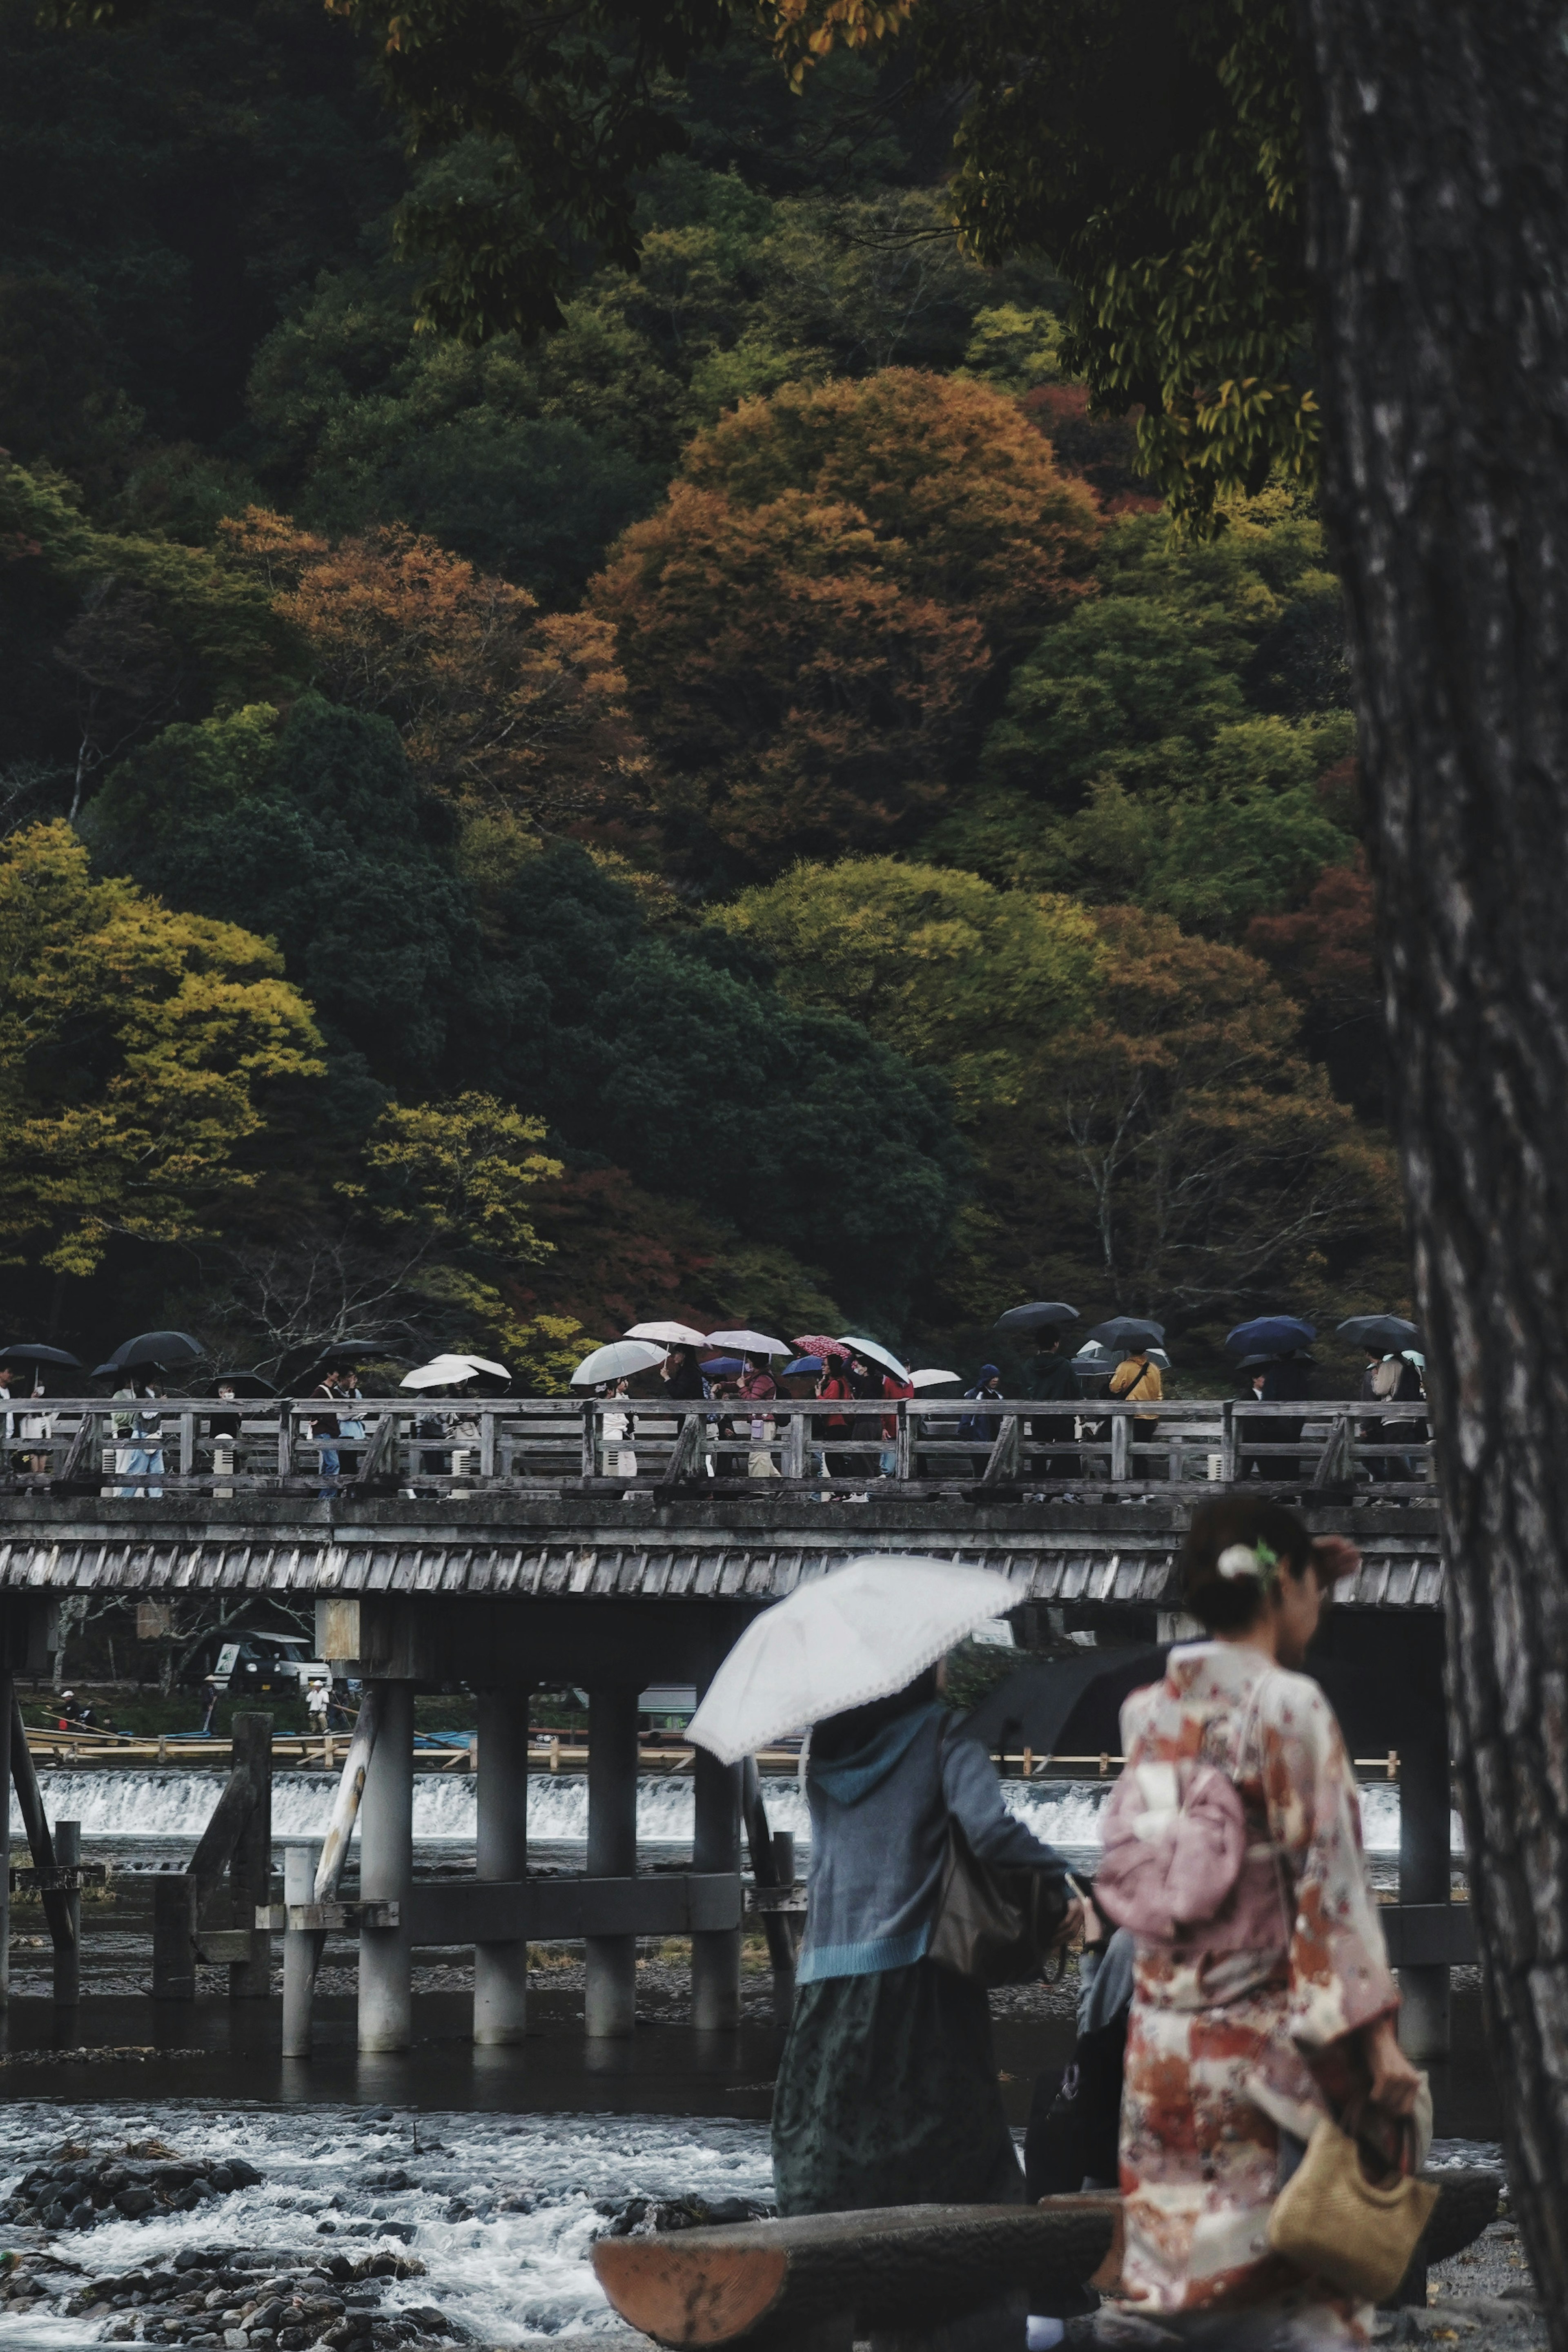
<point x="1280" y="2008"/>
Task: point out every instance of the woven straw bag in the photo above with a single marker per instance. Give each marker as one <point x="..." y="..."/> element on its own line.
<point x="1334" y="2221"/>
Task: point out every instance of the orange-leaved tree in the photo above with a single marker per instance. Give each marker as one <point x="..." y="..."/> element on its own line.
<point x="800" y="699"/>
<point x="499" y="704"/>
<point x="956" y="485"/>
<point x="808" y="625"/>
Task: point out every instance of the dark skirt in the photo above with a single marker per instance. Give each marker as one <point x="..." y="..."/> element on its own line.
<point x="887" y="2095"/>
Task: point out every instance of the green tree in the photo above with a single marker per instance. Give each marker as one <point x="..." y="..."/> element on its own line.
<point x="319" y="832"/>
<point x="136" y="1048"/>
<point x="941" y="965"/>
<point x="1181" y="1155"/>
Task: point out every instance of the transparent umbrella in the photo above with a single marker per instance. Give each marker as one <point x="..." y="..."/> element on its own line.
<point x="618" y="1361"/>
<point x="874" y="1354"/>
<point x="669" y="1335"/>
<point x="749" y="1343"/>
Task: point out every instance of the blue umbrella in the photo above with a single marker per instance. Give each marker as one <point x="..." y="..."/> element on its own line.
<point x="1274" y="1334"/>
<point x="720" y="1368"/>
<point x="800" y="1365"/>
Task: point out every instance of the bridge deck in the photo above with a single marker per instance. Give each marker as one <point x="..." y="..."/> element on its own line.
<point x="522" y="1546"/>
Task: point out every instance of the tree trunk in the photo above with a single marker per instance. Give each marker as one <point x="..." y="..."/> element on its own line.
<point x="1437" y="134"/>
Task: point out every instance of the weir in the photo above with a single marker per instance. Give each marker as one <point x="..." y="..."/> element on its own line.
<point x="535" y="1583"/>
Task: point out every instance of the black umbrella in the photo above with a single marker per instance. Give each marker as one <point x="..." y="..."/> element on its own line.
<point x="1129" y="1331"/>
<point x="1251" y="1363"/>
<point x="30" y="1352"/>
<point x="1073" y="1707"/>
<point x="1037" y="1317"/>
<point x="1064" y="1706"/>
<point x="169" y="1349"/>
<point x="1388" y="1333"/>
<point x="244" y="1384"/>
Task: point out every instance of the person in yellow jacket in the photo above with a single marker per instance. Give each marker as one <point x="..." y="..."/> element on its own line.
<point x="1138" y="1381"/>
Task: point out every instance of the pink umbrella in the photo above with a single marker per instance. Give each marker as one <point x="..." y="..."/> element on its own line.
<point x="818" y="1344"/>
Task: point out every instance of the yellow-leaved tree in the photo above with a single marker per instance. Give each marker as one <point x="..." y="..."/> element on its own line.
<point x="449" y="1182"/>
<point x="134" y="1044"/>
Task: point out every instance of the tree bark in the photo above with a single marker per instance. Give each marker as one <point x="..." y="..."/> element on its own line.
<point x="1437" y="137"/>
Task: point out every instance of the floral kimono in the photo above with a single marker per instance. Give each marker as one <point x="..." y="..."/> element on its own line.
<point x="1227" y="2048"/>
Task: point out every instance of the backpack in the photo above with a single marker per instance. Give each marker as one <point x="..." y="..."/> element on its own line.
<point x="1175" y="1849"/>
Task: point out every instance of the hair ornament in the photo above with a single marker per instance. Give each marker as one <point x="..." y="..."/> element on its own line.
<point x="1237" y="1561"/>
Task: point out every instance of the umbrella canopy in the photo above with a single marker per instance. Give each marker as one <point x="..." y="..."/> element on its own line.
<point x="1055" y="1704"/>
<point x="876" y="1355"/>
<point x="30" y="1351"/>
<point x="669" y="1335"/>
<point x="168" y="1349"/>
<point x="1388" y="1334"/>
<point x="244" y="1384"/>
<point x="1037" y="1317"/>
<point x="720" y="1368"/>
<point x="1095" y="1357"/>
<point x="618" y="1361"/>
<point x="749" y="1343"/>
<point x="1255" y="1363"/>
<point x="1277" y="1335"/>
<point x="858" y="1634"/>
<point x="800" y="1367"/>
<point x="451" y="1371"/>
<point x="818" y="1343"/>
<point x="932" y="1379"/>
<point x="1129" y="1331"/>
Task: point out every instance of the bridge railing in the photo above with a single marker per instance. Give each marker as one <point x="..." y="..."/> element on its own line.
<point x="945" y="1445"/>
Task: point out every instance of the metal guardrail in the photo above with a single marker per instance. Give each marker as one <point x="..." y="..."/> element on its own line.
<point x="633" y="1445"/>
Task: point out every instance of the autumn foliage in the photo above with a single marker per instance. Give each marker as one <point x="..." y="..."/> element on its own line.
<point x="497" y="702"/>
<point x="807" y="625"/>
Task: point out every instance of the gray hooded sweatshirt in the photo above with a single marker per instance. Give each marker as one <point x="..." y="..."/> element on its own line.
<point x="879" y="1838"/>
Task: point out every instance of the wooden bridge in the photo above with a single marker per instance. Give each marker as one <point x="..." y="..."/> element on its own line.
<point x="527" y="1566"/>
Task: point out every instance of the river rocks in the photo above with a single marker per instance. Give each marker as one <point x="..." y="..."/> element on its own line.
<point x="80" y="2191"/>
<point x="640" y="2217"/>
<point x="225" y="2299"/>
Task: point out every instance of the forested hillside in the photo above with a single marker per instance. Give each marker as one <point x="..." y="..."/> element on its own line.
<point x="738" y="807"/>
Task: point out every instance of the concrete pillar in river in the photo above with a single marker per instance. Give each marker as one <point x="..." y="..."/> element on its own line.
<point x="386" y="1875"/>
<point x="610" y="2001"/>
<point x="716" y="1847"/>
<point x="1424" y="1863"/>
<point x="6" y="1688"/>
<point x="501" y="1970"/>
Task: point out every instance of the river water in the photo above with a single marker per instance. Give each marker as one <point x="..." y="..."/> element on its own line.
<point x="505" y="2160"/>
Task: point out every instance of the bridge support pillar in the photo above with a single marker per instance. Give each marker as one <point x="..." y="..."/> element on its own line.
<point x="715" y="1952"/>
<point x="610" y="2001"/>
<point x="7" y="1691"/>
<point x="1424" y="1863"/>
<point x="386" y="1875"/>
<point x="501" y="1970"/>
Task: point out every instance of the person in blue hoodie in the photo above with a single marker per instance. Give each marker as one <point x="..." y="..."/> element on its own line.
<point x="887" y="2088"/>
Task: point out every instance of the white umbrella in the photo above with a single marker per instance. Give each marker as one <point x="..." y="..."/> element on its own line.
<point x="441" y="1372"/>
<point x="748" y="1343"/>
<point x="669" y="1335"/>
<point x="618" y="1361"/>
<point x="931" y="1380"/>
<point x="859" y="1633"/>
<point x="869" y="1348"/>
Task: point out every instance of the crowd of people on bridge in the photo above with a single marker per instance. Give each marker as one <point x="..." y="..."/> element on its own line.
<point x="855" y="1436"/>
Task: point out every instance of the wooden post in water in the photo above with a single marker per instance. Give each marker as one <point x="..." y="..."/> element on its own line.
<point x="250" y="1868"/>
<point x="716" y="1847"/>
<point x="386" y="1875"/>
<point x="610" y="2001"/>
<point x="68" y="1953"/>
<point x="501" y="1970"/>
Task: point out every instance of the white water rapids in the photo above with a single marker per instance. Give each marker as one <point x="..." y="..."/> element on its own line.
<point x="123" y="1807"/>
